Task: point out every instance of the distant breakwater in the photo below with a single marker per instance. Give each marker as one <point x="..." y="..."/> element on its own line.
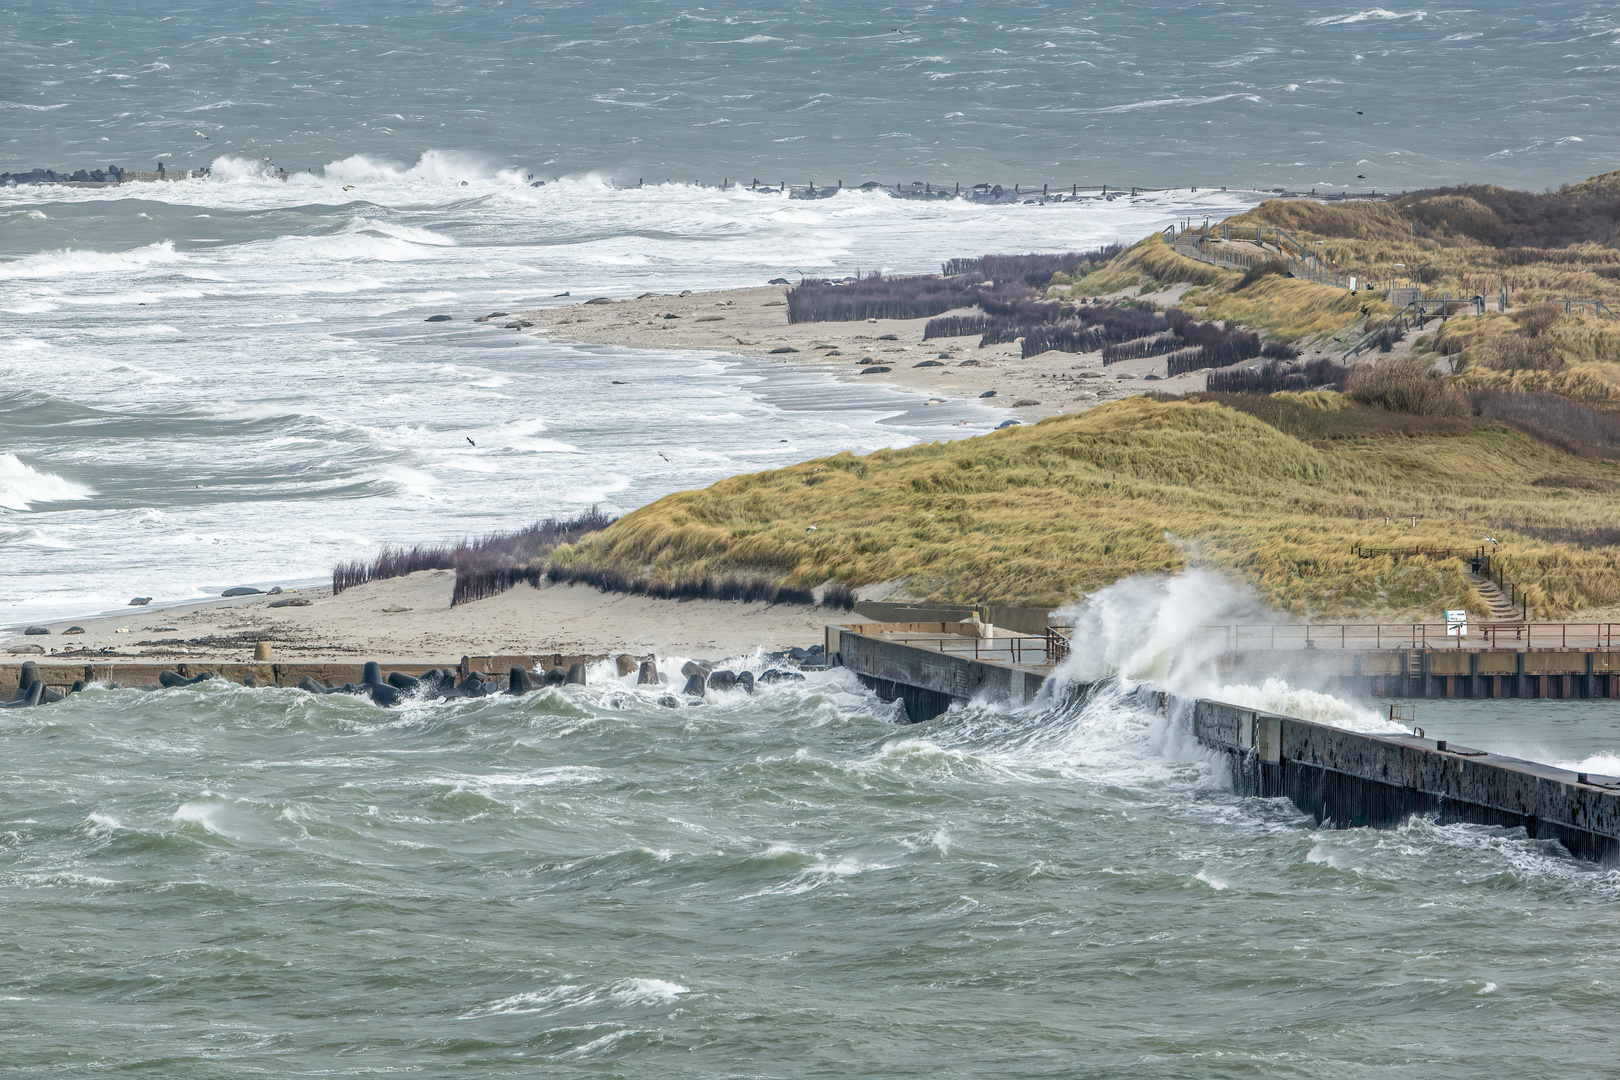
<point x="987" y="193"/>
<point x="111" y="176"/>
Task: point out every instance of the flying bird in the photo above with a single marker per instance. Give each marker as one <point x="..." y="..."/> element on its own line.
<point x="204" y="136"/>
<point x="812" y="528"/>
<point x="663" y="455"/>
<point x="1361" y="176"/>
<point x="470" y="442"/>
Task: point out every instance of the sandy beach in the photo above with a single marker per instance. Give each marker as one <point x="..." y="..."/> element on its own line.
<point x="410" y="619"/>
<point x="753" y="323"/>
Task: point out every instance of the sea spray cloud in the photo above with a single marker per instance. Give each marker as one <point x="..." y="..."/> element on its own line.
<point x="1154" y="627"/>
<point x="1165" y="629"/>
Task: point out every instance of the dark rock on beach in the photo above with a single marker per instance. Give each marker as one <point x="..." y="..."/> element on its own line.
<point x="722" y="680"/>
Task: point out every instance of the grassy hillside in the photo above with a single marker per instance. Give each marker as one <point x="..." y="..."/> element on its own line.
<point x="1559" y="245"/>
<point x="1045" y="513"/>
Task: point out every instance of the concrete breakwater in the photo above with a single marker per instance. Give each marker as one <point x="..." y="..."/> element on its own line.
<point x="1348" y="778"/>
<point x="1343" y="778"/>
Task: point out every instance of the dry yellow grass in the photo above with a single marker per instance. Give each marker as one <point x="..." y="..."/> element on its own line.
<point x="1458" y="242"/>
<point x="1045" y="513"/>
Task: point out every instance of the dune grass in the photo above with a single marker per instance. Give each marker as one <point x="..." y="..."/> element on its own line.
<point x="1559" y="245"/>
<point x="1045" y="513"/>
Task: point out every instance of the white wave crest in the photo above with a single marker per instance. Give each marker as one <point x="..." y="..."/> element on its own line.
<point x="647" y="991"/>
<point x="1370" y="15"/>
<point x="21" y="486"/>
<point x="69" y="261"/>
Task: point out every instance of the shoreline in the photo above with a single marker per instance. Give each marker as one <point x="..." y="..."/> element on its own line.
<point x="409" y="620"/>
<point x="751" y="324"/>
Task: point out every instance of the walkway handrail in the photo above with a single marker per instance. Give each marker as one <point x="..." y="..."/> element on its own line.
<point x="1518" y="635"/>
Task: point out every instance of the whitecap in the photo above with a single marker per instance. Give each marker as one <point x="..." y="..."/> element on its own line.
<point x="21" y="486"/>
<point x="647" y="991"/>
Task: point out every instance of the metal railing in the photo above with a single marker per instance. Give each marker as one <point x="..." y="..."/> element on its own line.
<point x="1301" y="262"/>
<point x="1509" y="634"/>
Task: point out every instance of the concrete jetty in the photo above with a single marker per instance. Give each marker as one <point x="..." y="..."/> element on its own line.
<point x="60" y="673"/>
<point x="1343" y="778"/>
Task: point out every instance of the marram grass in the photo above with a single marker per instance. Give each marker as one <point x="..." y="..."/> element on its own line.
<point x="1046" y="513"/>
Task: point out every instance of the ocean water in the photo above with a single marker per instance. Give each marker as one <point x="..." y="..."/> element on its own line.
<point x="1151" y="93"/>
<point x="220" y="882"/>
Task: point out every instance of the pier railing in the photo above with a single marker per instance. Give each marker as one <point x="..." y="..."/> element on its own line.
<point x="1480" y="635"/>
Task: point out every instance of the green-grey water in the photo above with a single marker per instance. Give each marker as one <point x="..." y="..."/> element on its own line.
<point x="221" y="882"/>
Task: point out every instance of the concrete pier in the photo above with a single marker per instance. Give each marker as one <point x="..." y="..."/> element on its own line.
<point x="1343" y="778"/>
<point x="1347" y="778"/>
<point x="61" y="674"/>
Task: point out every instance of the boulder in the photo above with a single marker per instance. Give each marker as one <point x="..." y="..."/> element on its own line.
<point x="556" y="676"/>
<point x="648" y="675"/>
<point x="722" y="680"/>
<point x="401" y="681"/>
<point x="517" y="680"/>
<point x="696" y="667"/>
<point x="576" y="674"/>
<point x="695" y="684"/>
<point x="745" y="679"/>
<point x="797" y="653"/>
<point x="777" y="675"/>
<point x="625" y="663"/>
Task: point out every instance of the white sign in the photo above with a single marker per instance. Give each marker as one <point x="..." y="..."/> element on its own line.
<point x="1456" y="624"/>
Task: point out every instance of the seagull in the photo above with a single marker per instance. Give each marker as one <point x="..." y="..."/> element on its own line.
<point x="812" y="528"/>
<point x="1360" y="176"/>
<point x="469" y="441"/>
<point x="1490" y="539"/>
<point x="663" y="455"/>
<point x="204" y="136"/>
